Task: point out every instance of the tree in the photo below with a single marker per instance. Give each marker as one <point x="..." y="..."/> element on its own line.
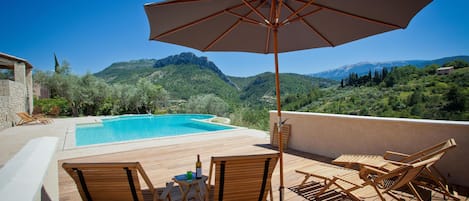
<point x="377" y="77"/>
<point x="93" y="93"/>
<point x="457" y="64"/>
<point x="57" y="65"/>
<point x="368" y="80"/>
<point x="415" y="98"/>
<point x="384" y="73"/>
<point x="456" y="100"/>
<point x="149" y="96"/>
<point x="430" y="69"/>
<point x="207" y="104"/>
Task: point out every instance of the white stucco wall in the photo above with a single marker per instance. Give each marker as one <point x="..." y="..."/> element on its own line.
<point x="332" y="135"/>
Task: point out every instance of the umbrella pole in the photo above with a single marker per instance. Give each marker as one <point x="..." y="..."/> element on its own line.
<point x="279" y="112"/>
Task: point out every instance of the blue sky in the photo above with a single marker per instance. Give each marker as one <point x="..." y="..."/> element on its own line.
<point x="91" y="35"/>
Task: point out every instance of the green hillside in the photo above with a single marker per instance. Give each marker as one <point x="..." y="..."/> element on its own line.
<point x="407" y="92"/>
<point x="261" y="88"/>
<point x="184" y="81"/>
<point x="127" y="72"/>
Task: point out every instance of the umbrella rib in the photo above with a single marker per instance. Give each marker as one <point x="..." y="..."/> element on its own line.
<point x="317" y="32"/>
<point x="241" y="19"/>
<point x="355" y="15"/>
<point x="268" y="30"/>
<point x="297" y="11"/>
<point x="311" y="26"/>
<point x="222" y="35"/>
<point x="244" y="18"/>
<point x="257" y="12"/>
<point x="194" y="22"/>
<point x="299" y="17"/>
<point x="277" y="13"/>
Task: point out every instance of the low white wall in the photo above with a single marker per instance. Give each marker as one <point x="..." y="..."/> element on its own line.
<point x="332" y="135"/>
<point x="22" y="177"/>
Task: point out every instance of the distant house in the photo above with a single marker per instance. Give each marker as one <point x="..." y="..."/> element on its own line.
<point x="444" y="70"/>
<point x="15" y="96"/>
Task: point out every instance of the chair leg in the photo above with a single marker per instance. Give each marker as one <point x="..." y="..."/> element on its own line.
<point x="304" y="181"/>
<point x="439" y="182"/>
<point x="325" y="187"/>
<point x="414" y="191"/>
<point x="377" y="192"/>
<point x="271" y="194"/>
<point x="166" y="194"/>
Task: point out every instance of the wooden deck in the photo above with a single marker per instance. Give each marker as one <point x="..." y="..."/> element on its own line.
<point x="163" y="162"/>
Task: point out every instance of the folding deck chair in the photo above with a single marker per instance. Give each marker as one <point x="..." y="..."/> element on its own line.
<point x="375" y="186"/>
<point x="242" y="177"/>
<point x="26" y="118"/>
<point x="112" y="181"/>
<point x="430" y="178"/>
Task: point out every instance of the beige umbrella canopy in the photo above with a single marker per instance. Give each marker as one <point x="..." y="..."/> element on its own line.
<point x="273" y="26"/>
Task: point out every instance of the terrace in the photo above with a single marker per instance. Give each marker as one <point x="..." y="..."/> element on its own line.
<point x="316" y="138"/>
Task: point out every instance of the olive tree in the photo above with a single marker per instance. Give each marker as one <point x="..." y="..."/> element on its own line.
<point x="207" y="104"/>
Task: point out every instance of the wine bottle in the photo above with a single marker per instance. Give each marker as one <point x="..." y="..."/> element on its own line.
<point x="198" y="168"/>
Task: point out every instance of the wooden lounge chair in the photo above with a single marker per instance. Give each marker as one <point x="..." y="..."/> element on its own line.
<point x="430" y="177"/>
<point x="242" y="177"/>
<point x="26" y="118"/>
<point x="375" y="186"/>
<point x="112" y="181"/>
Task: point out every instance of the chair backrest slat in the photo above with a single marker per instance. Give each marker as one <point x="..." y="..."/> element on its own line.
<point x="243" y="177"/>
<point x="106" y="181"/>
<point x="429" y="152"/>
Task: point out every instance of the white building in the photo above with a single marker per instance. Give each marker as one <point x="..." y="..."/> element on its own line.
<point x="444" y="70"/>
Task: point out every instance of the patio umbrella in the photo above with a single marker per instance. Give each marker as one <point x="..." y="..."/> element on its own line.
<point x="274" y="26"/>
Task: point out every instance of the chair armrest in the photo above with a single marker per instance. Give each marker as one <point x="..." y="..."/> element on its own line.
<point x="345" y="179"/>
<point x="387" y="154"/>
<point x="371" y="169"/>
<point x="399" y="163"/>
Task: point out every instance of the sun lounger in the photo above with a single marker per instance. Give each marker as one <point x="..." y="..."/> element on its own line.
<point x="112" y="181"/>
<point x="430" y="177"/>
<point x="26" y="118"/>
<point x="242" y="177"/>
<point x="374" y="186"/>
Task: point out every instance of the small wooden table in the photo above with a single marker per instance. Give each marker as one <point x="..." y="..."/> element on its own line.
<point x="185" y="186"/>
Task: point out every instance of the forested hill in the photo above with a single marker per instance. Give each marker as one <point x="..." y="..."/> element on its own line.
<point x="261" y="88"/>
<point x="363" y="68"/>
<point x="122" y="72"/>
<point x="188" y="58"/>
<point x="186" y="75"/>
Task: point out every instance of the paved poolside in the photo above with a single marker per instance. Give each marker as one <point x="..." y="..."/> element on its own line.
<point x="13" y="139"/>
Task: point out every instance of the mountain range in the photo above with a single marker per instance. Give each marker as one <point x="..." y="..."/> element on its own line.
<point x="186" y="74"/>
<point x="364" y="67"/>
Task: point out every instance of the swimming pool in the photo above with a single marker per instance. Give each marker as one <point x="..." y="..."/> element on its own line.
<point x="134" y="127"/>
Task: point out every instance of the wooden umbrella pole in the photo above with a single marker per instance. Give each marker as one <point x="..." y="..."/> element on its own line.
<point x="279" y="110"/>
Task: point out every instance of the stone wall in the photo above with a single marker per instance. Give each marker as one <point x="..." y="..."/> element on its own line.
<point x="12" y="100"/>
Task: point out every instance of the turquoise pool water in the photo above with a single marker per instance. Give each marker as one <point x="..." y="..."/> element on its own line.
<point x="125" y="128"/>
